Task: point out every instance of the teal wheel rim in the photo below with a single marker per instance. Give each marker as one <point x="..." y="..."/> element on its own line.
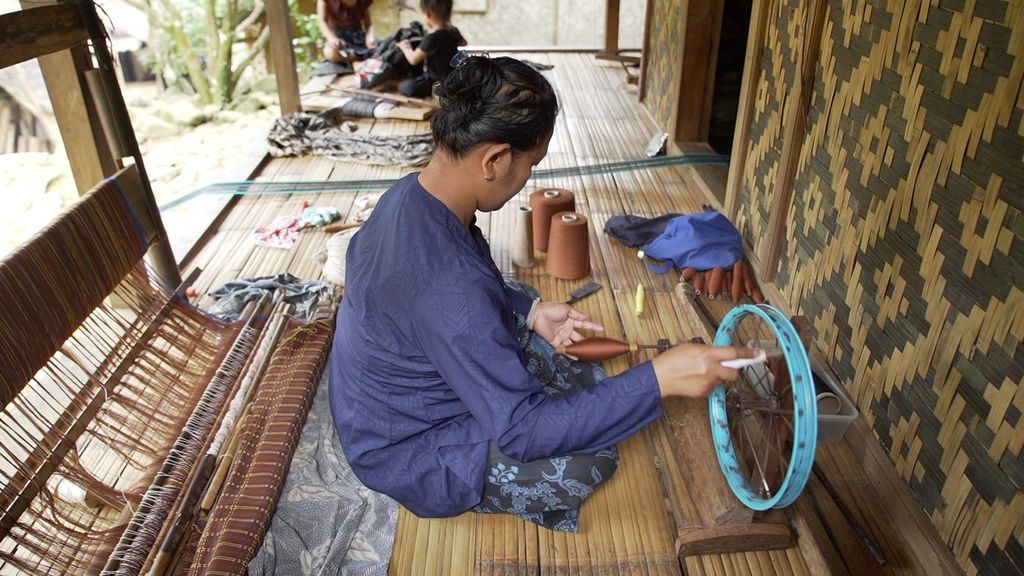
<point x="770" y="470"/>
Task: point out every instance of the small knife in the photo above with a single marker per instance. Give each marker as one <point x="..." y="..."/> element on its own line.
<point x="582" y="292"/>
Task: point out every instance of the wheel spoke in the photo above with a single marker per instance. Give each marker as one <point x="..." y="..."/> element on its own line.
<point x="757" y="463"/>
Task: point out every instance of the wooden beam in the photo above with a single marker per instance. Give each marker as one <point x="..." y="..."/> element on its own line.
<point x="745" y="112"/>
<point x="116" y="111"/>
<point x="691" y="118"/>
<point x="711" y="72"/>
<point x="134" y="191"/>
<point x="793" y="139"/>
<point x="732" y="538"/>
<point x="282" y="56"/>
<point x="84" y="141"/>
<point x="611" y="29"/>
<point x="35" y="32"/>
<point x="645" y="57"/>
<point x="923" y="543"/>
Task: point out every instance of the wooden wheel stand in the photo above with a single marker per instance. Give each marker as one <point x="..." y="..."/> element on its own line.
<point x="711" y="519"/>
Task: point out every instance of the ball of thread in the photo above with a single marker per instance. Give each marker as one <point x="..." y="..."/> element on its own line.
<point x="522" y="249"/>
<point x="569" y="248"/>
<point x="547" y="202"/>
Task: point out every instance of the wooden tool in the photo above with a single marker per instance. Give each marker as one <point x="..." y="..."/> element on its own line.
<point x="716" y="521"/>
<point x="599" y="348"/>
<point x="332" y="228"/>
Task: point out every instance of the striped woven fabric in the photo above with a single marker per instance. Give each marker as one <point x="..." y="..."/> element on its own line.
<point x="53" y="282"/>
<point x="239" y="520"/>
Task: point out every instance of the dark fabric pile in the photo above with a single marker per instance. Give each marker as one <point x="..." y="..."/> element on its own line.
<point x="387" y="60"/>
<point x="305" y="295"/>
<point x="303" y="133"/>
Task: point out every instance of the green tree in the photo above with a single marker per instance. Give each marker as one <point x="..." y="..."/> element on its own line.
<point x="205" y="40"/>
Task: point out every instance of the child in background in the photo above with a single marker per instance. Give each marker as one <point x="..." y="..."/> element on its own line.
<point x="347" y="27"/>
<point x="436" y="50"/>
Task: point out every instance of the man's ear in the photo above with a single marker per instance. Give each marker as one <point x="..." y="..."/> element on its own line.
<point x="496" y="160"/>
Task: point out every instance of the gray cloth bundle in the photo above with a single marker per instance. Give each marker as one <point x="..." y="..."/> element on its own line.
<point x="233" y="295"/>
<point x="302" y="133"/>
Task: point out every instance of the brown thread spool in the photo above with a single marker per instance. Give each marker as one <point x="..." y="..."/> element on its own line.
<point x="737" y="281"/>
<point x="698" y="283"/>
<point x="748" y="279"/>
<point x="714" y="282"/>
<point x="547" y="202"/>
<point x="597" y="348"/>
<point x="569" y="249"/>
<point x="522" y="250"/>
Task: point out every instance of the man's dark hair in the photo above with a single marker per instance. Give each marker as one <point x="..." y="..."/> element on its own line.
<point x="441" y="9"/>
<point x="498" y="100"/>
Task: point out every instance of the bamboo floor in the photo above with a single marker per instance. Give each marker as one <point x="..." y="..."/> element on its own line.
<point x="630" y="525"/>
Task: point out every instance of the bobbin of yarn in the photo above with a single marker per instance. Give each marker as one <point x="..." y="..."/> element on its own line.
<point x="522" y="248"/>
<point x="547" y="202"/>
<point x="569" y="246"/>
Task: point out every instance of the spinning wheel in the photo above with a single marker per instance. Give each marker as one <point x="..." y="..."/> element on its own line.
<point x="765" y="424"/>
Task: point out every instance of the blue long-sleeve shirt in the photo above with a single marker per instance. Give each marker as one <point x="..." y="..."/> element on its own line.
<point x="425" y="366"/>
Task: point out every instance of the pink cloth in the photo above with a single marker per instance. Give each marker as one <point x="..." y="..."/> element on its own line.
<point x="281" y="233"/>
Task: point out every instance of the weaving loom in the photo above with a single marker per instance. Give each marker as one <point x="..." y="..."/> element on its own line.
<point x="124" y="407"/>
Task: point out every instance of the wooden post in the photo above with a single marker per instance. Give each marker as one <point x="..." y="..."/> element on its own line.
<point x="645" y="52"/>
<point x="611" y="27"/>
<point x="793" y="138"/>
<point x="691" y="119"/>
<point x="282" y="56"/>
<point x="36" y="31"/>
<point x="611" y="36"/>
<point x="65" y="61"/>
<point x="160" y="254"/>
<point x="745" y="111"/>
<point x="61" y="55"/>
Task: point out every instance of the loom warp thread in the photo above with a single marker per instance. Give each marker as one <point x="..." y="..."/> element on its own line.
<point x="545" y="203"/>
<point x="522" y="249"/>
<point x="569" y="249"/>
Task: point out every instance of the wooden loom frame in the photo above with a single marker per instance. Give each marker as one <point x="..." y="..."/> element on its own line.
<point x="69" y="41"/>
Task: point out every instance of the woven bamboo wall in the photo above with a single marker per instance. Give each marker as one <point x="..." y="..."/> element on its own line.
<point x="662" y="82"/>
<point x="905" y="241"/>
<point x="778" y="72"/>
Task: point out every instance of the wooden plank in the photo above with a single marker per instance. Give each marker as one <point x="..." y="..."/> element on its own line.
<point x="745" y="110"/>
<point x="283" y="56"/>
<point x="691" y="116"/>
<point x="35" y="32"/>
<point x="795" y="122"/>
<point x="717" y="505"/>
<point x="611" y="27"/>
<point x="711" y="75"/>
<point x="84" y="143"/>
<point x="895" y="503"/>
<point x="645" y="59"/>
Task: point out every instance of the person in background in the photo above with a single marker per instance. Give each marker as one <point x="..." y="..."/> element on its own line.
<point x="347" y="28"/>
<point x="445" y="387"/>
<point x="436" y="50"/>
